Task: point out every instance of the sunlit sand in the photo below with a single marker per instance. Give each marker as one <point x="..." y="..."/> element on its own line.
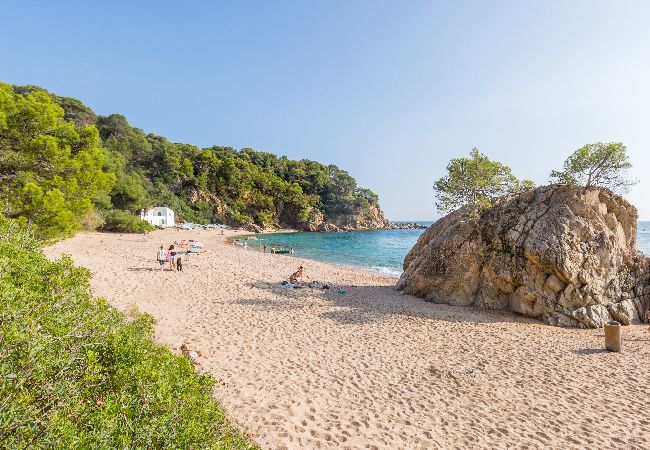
<point x="370" y="368"/>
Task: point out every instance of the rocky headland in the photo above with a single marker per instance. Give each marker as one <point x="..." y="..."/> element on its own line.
<point x="565" y="255"/>
<point x="367" y="218"/>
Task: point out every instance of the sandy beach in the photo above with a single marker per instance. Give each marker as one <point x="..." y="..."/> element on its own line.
<point x="370" y="368"/>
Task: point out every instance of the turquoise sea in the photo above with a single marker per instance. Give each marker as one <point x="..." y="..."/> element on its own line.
<point x="381" y="250"/>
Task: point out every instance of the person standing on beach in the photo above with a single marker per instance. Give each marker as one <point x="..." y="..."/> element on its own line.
<point x="171" y="257"/>
<point x="265" y="247"/>
<point x="162" y="257"/>
<point x="179" y="262"/>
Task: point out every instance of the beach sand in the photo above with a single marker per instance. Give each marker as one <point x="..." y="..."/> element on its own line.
<point x="370" y="368"/>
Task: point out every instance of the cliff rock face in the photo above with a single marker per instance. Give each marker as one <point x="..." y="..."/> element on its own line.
<point x="370" y="218"/>
<point x="565" y="255"/>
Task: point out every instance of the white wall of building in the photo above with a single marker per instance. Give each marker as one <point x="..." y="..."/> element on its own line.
<point x="159" y="216"/>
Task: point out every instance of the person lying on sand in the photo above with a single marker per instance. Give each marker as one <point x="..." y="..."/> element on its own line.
<point x="300" y="273"/>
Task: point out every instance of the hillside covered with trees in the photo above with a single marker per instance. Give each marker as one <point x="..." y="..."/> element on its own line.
<point x="63" y="167"/>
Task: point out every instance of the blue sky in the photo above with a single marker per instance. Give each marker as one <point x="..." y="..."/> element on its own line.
<point x="388" y="90"/>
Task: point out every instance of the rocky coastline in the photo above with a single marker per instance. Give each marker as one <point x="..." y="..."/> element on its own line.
<point x="328" y="227"/>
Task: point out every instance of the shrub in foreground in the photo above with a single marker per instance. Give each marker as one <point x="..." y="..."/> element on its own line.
<point x="76" y="373"/>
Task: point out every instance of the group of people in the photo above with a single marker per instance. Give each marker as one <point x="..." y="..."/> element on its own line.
<point x="265" y="247"/>
<point x="273" y="250"/>
<point x="172" y="257"/>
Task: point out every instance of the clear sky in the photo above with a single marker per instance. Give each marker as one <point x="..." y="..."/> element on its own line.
<point x="388" y="90"/>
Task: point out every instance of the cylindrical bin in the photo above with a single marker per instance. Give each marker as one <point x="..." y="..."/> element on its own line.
<point x="613" y="336"/>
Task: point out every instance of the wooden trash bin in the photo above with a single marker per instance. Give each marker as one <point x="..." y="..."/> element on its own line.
<point x="613" y="336"/>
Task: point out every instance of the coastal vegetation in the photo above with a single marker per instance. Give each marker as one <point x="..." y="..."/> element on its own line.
<point x="76" y="373"/>
<point x="475" y="180"/>
<point x="62" y="166"/>
<point x="479" y="181"/>
<point x="51" y="170"/>
<point x="597" y="165"/>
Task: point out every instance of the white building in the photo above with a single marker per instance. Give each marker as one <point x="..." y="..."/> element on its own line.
<point x="160" y="216"/>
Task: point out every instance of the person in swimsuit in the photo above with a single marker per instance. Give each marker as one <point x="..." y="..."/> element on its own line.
<point x="300" y="273"/>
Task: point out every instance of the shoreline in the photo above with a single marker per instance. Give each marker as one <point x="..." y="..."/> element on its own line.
<point x="314" y="368"/>
<point x="338" y="264"/>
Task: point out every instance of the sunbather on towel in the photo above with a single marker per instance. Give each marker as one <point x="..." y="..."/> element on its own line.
<point x="300" y="273"/>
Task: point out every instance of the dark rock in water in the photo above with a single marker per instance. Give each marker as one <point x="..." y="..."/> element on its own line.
<point x="565" y="255"/>
<point x="406" y="226"/>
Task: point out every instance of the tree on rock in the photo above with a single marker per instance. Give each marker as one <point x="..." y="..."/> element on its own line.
<point x="597" y="165"/>
<point x="477" y="181"/>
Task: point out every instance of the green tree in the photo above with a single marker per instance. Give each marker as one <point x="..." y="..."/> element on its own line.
<point x="50" y="169"/>
<point x="597" y="165"/>
<point x="477" y="181"/>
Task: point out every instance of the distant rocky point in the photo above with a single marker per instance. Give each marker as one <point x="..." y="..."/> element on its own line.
<point x="373" y="219"/>
<point x="565" y="255"/>
<point x="405" y="226"/>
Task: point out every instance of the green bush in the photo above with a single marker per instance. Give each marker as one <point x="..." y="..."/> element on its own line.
<point x="240" y="219"/>
<point x="76" y="373"/>
<point x="264" y="218"/>
<point x="124" y="221"/>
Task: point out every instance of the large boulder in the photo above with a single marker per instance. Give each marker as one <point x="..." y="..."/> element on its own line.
<point x="565" y="255"/>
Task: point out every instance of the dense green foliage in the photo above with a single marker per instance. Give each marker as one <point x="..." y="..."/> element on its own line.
<point x="50" y="169"/>
<point x="476" y="180"/>
<point x="222" y="184"/>
<point x="75" y="373"/>
<point x="58" y="161"/>
<point x="597" y="165"/>
<point x="122" y="221"/>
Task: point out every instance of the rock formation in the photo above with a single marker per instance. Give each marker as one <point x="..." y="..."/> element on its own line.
<point x="368" y="218"/>
<point x="565" y="255"/>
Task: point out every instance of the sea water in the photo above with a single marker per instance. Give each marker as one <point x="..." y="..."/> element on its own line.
<point x="643" y="233"/>
<point x="379" y="250"/>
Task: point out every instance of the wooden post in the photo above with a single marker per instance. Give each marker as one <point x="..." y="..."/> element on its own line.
<point x="613" y="336"/>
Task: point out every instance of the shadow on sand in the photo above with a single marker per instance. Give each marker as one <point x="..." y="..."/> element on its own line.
<point x="143" y="269"/>
<point x="589" y="351"/>
<point x="367" y="304"/>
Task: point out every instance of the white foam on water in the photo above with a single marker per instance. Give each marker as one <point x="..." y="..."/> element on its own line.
<point x="387" y="270"/>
